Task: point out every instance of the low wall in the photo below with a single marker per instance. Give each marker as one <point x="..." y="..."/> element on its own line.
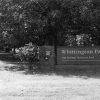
<point x="6" y="56"/>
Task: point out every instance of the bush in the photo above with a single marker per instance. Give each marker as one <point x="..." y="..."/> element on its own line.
<point x="28" y="53"/>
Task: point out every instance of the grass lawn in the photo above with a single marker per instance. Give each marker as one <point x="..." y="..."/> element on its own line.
<point x="62" y="85"/>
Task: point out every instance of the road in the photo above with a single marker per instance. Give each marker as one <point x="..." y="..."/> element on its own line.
<point x="15" y="85"/>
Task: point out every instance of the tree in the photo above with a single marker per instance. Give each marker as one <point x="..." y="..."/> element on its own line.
<point x="49" y="22"/>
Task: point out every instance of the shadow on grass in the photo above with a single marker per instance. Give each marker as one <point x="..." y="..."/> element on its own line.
<point x="85" y="71"/>
<point x="79" y="71"/>
<point x="89" y="71"/>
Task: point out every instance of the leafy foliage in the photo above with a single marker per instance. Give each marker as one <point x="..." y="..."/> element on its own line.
<point x="28" y="53"/>
<point x="48" y="21"/>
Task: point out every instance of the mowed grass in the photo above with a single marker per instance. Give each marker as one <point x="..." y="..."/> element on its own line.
<point x="70" y="84"/>
<point x="18" y="86"/>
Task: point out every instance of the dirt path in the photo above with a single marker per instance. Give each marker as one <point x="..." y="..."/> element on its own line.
<point x="18" y="86"/>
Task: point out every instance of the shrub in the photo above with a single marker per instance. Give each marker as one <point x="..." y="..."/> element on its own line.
<point x="28" y="53"/>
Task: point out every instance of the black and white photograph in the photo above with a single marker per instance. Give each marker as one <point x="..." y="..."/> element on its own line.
<point x="49" y="49"/>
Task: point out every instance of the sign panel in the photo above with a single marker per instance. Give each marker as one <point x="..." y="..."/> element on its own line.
<point x="78" y="55"/>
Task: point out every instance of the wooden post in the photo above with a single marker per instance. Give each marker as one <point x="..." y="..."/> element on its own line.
<point x="14" y="50"/>
<point x="55" y="51"/>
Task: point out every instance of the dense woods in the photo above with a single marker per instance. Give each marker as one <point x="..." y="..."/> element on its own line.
<point x="49" y="22"/>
